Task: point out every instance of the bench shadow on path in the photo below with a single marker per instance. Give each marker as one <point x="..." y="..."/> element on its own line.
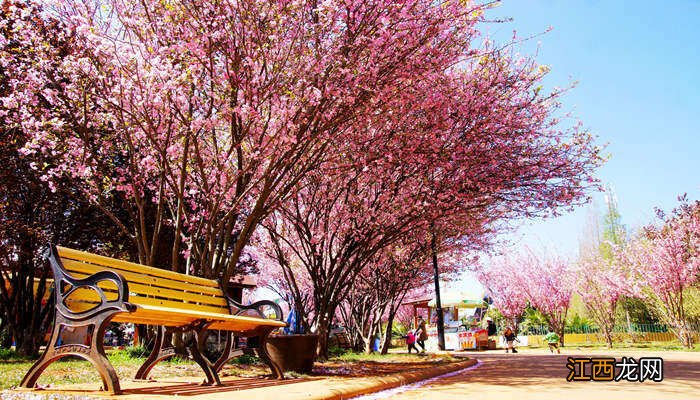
<point x="550" y="371"/>
<point x="194" y="389"/>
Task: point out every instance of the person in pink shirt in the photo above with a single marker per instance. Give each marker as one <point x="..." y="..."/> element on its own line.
<point x="411" y="342"/>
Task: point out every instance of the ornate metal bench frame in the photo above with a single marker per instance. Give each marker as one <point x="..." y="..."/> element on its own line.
<point x="163" y="348"/>
<point x="95" y="321"/>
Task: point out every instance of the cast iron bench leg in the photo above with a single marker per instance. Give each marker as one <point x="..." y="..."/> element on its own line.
<point x="230" y="352"/>
<point x="163" y="349"/>
<point x="277" y="371"/>
<point x="200" y="335"/>
<point x="158" y="354"/>
<point x="93" y="321"/>
<point x="94" y="352"/>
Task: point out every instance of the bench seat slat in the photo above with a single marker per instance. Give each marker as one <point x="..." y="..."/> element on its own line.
<point x="215" y="316"/>
<point x="161" y="292"/>
<point x="175" y="317"/>
<point x="115" y="264"/>
<point x="145" y="319"/>
<point x="90" y="299"/>
<point x="174" y="305"/>
<point x="89" y="269"/>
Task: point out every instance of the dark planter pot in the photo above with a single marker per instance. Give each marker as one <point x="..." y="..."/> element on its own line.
<point x="293" y="352"/>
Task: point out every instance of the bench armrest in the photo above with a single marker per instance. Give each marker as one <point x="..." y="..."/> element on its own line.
<point x="61" y="277"/>
<point x="256" y="308"/>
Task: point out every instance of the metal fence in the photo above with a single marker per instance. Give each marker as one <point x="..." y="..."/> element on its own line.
<point x="633" y="333"/>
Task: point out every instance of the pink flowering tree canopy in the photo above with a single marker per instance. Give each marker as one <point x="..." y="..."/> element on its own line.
<point x="601" y="282"/>
<point x="543" y="282"/>
<point x="499" y="278"/>
<point x="340" y="128"/>
<point x="203" y="116"/>
<point x="665" y="262"/>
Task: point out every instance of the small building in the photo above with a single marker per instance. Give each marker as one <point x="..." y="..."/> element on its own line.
<point x="239" y="283"/>
<point x="462" y="313"/>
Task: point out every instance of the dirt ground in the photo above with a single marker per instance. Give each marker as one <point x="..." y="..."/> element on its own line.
<point x="359" y="369"/>
<point x="334" y="379"/>
<point x="536" y="374"/>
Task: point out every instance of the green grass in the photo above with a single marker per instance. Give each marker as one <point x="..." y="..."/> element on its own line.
<point x="337" y="351"/>
<point x="133" y="352"/>
<point x="127" y="361"/>
<point x="71" y="370"/>
<point x="61" y="372"/>
<point x="394" y="357"/>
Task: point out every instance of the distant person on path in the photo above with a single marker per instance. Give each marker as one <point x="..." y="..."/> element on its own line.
<point x="490" y="326"/>
<point x="422" y="333"/>
<point x="552" y="340"/>
<point x="510" y="338"/>
<point x="411" y="342"/>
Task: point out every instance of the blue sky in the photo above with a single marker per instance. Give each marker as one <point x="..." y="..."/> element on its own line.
<point x="637" y="64"/>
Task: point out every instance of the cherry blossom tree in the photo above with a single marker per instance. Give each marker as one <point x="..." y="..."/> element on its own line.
<point x="601" y="283"/>
<point x="282" y="272"/>
<point x="404" y="314"/>
<point x="543" y="282"/>
<point x="203" y="116"/>
<point x="500" y="277"/>
<point x="549" y="284"/>
<point x="34" y="211"/>
<point x="347" y="124"/>
<point x="441" y="163"/>
<point x="604" y="282"/>
<point x="666" y="264"/>
<point x="332" y="247"/>
<point x="383" y="285"/>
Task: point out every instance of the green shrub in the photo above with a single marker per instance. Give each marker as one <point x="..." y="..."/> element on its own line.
<point x="134" y="352"/>
<point x="10" y="354"/>
<point x="246" y="359"/>
<point x="579" y="324"/>
<point x="176" y="359"/>
<point x="335" y="351"/>
<point x="398" y="330"/>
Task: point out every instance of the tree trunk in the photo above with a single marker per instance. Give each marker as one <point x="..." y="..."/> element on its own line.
<point x="323" y="331"/>
<point x="369" y="338"/>
<point x="386" y="343"/>
<point x="367" y="345"/>
<point x="560" y="332"/>
<point x="28" y="315"/>
<point x="29" y="344"/>
<point x="608" y="338"/>
<point x="6" y="339"/>
<point x="684" y="335"/>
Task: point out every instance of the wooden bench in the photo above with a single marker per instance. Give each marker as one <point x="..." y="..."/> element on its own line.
<point x="341" y="340"/>
<point x="90" y="291"/>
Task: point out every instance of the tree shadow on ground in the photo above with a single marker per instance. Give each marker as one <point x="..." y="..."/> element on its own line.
<point x="194" y="389"/>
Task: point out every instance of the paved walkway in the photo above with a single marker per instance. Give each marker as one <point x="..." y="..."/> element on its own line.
<point x="530" y="374"/>
<point x="536" y="374"/>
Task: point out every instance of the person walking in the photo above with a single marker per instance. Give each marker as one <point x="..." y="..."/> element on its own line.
<point x="411" y="342"/>
<point x="552" y="340"/>
<point x="510" y="337"/>
<point x="421" y="333"/>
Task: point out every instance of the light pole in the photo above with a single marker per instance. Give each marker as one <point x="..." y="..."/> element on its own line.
<point x="438" y="304"/>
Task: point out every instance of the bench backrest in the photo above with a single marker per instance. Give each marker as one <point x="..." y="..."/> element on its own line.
<point x="147" y="285"/>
